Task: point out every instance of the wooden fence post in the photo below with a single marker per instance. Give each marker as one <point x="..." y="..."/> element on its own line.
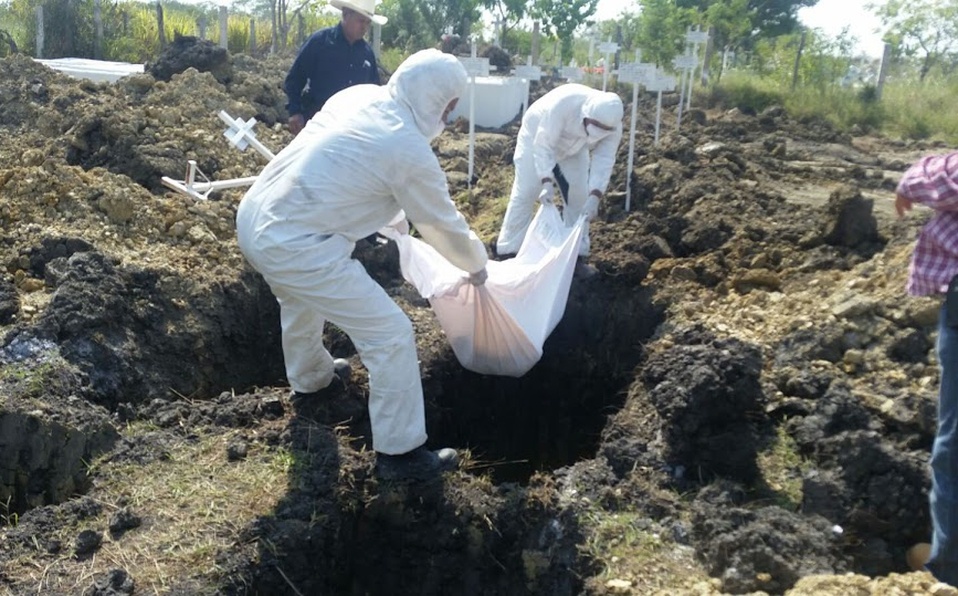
<point x="535" y="42"/>
<point x="161" y="28"/>
<point x="40" y="31"/>
<point x="224" y="31"/>
<point x="798" y="59"/>
<point x="252" y="36"/>
<point x="201" y="25"/>
<point x="705" y="72"/>
<point x="883" y="70"/>
<point x="98" y="27"/>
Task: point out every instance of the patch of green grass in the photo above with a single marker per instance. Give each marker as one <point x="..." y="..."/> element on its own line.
<point x="749" y="94"/>
<point x="627" y="551"/>
<point x="31" y="380"/>
<point x="782" y="468"/>
<point x="907" y="108"/>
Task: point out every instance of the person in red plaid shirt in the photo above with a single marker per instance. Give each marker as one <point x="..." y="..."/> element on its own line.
<point x="933" y="182"/>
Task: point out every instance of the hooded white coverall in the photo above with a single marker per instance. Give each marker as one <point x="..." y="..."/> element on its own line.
<point x="552" y="133"/>
<point x="361" y="163"/>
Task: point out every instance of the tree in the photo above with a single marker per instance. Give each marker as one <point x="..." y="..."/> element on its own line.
<point x="731" y="22"/>
<point x="659" y="29"/>
<point x="766" y="18"/>
<point x="7" y="40"/>
<point x="440" y="15"/>
<point x="923" y="29"/>
<point x="507" y="11"/>
<point x="560" y="18"/>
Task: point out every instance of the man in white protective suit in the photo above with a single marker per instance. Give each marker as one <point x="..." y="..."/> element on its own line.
<point x="362" y="163"/>
<point x="569" y="136"/>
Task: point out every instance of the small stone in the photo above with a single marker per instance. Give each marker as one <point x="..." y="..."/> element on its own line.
<point x="236" y="451"/>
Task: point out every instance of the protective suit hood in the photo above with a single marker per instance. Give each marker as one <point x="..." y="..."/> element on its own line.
<point x="425" y="83"/>
<point x="605" y="107"/>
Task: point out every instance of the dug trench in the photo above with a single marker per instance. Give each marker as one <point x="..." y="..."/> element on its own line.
<point x="742" y="389"/>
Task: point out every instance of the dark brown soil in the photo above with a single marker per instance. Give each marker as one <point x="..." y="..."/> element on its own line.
<point x="753" y="291"/>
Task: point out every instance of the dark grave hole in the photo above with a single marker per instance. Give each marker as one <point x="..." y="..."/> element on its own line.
<point x="553" y="415"/>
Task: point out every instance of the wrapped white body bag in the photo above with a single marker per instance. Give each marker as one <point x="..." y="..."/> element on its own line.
<point x="499" y="328"/>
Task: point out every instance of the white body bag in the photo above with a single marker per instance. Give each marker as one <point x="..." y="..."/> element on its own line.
<point x="499" y="328"/>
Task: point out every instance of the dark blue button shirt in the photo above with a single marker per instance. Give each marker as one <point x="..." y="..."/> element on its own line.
<point x="329" y="63"/>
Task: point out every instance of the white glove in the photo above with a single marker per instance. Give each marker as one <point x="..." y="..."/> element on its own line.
<point x="591" y="207"/>
<point x="547" y="194"/>
<point x="479" y="277"/>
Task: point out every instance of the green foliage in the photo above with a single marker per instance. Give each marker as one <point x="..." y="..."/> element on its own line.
<point x="659" y="30"/>
<point x="732" y="22"/>
<point x="418" y="24"/>
<point x="560" y="19"/>
<point x="405" y="29"/>
<point x="130" y="31"/>
<point x="921" y="109"/>
<point x="766" y="18"/>
<point x="391" y="58"/>
<point x="748" y="93"/>
<point x="908" y="108"/>
<point x="518" y="41"/>
<point x="923" y="29"/>
<point x="824" y="61"/>
<point x="845" y="108"/>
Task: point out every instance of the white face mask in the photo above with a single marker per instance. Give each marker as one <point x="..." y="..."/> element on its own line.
<point x="595" y="133"/>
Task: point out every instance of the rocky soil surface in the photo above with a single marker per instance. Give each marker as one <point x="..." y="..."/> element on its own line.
<point x="741" y="401"/>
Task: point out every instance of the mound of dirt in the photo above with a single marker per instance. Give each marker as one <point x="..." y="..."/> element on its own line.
<point x="741" y="401"/>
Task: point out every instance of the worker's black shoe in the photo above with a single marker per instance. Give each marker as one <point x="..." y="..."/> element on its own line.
<point x="336" y="387"/>
<point x="342" y="372"/>
<point x="418" y="464"/>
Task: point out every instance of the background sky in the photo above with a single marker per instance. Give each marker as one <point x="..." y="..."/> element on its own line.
<point x="828" y="15"/>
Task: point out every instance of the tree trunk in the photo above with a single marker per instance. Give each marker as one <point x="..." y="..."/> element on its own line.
<point x="798" y="60"/>
<point x="161" y="28"/>
<point x="98" y="28"/>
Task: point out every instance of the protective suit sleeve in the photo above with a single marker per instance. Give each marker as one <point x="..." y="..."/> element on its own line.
<point x="603" y="158"/>
<point x="422" y="192"/>
<point x="543" y="145"/>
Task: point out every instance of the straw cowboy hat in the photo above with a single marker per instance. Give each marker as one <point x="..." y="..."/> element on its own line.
<point x="363" y="7"/>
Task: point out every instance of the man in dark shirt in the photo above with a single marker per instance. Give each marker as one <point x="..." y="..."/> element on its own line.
<point x="331" y="60"/>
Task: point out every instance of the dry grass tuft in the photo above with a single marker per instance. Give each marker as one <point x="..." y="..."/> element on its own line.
<point x="194" y="504"/>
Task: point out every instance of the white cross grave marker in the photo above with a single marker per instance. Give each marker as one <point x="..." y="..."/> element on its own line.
<point x="659" y="83"/>
<point x="637" y="73"/>
<point x="695" y="38"/>
<point x="474" y="67"/>
<point x="608" y="48"/>
<point x="528" y="72"/>
<point x="571" y="73"/>
<point x="240" y="134"/>
<point x="685" y="62"/>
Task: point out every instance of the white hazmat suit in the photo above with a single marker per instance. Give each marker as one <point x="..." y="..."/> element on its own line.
<point x="360" y="164"/>
<point x="553" y="132"/>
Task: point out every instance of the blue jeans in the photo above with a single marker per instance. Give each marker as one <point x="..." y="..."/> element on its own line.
<point x="943" y="499"/>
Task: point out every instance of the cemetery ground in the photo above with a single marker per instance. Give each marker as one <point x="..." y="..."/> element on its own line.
<point x="742" y="401"/>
